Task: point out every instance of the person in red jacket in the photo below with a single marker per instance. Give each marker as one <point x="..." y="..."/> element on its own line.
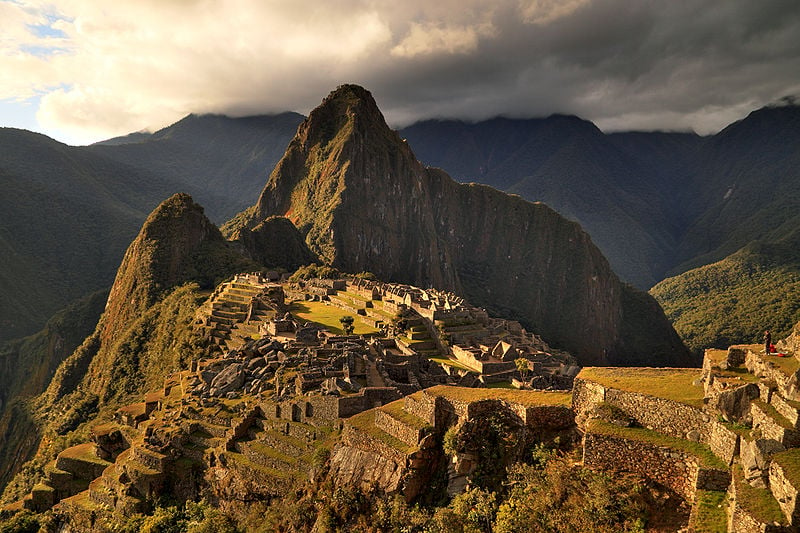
<point x="767" y="341"/>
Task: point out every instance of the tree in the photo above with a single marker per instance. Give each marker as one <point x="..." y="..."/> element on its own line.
<point x="522" y="366"/>
<point x="347" y="324"/>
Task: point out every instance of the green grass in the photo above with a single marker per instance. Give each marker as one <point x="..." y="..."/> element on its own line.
<point x="790" y="462"/>
<point x="365" y="422"/>
<point x="526" y="398"/>
<point x="500" y="385"/>
<point x="787" y="365"/>
<point x="705" y="456"/>
<point x="268" y="451"/>
<point x="674" y="384"/>
<point x="711" y="512"/>
<point x="774" y="414"/>
<point x="240" y="459"/>
<point x="396" y="410"/>
<point x="84" y="452"/>
<point x="716" y="356"/>
<point x="759" y="503"/>
<point x="328" y="316"/>
<point x="451" y="362"/>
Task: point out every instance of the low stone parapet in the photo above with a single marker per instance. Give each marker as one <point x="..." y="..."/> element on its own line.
<point x="723" y="441"/>
<point x="409" y="434"/>
<point x="773" y="425"/>
<point x="788" y="408"/>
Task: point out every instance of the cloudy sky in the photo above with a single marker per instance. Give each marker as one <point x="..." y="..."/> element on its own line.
<point x="84" y="70"/>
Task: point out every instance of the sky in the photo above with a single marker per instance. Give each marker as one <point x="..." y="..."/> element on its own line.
<point x="86" y="70"/>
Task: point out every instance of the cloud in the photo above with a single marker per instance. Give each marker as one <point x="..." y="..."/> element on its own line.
<point x="131" y="64"/>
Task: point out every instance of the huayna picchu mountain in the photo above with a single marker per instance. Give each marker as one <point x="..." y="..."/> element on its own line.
<point x="363" y="201"/>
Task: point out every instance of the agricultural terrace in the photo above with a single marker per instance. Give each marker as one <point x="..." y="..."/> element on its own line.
<point x="676" y="384"/>
<point x="527" y="398"/>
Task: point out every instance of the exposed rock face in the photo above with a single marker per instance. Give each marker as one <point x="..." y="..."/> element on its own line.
<point x="275" y="242"/>
<point x="363" y="202"/>
<point x="791" y="344"/>
<point x="756" y="456"/>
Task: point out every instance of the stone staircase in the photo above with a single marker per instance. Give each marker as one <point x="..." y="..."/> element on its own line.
<point x="228" y="310"/>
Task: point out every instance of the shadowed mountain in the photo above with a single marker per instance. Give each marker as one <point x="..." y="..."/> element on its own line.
<point x="610" y="185"/>
<point x="65" y="218"/>
<point x="364" y="202"/>
<point x="67" y="213"/>
<point x="220" y="160"/>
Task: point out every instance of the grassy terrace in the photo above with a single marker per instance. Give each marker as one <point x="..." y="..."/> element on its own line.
<point x="787" y="365"/>
<point x="774" y="414"/>
<point x="759" y="503"/>
<point x="328" y="316"/>
<point x="790" y="462"/>
<point x="737" y="374"/>
<point x="365" y="422"/>
<point x="716" y="356"/>
<point x="705" y="456"/>
<point x="526" y="398"/>
<point x="710" y="514"/>
<point x="452" y="362"/>
<point x="242" y="460"/>
<point x="395" y="409"/>
<point x="84" y="452"/>
<point x="674" y="384"/>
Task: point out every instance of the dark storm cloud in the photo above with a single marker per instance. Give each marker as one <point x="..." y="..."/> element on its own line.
<point x="683" y="64"/>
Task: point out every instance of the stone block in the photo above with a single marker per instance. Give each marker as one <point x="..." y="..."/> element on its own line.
<point x="785" y="490"/>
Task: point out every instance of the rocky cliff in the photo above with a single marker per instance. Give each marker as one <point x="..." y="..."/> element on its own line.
<point x="356" y="192"/>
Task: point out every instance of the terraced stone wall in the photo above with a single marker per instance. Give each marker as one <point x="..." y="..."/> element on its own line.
<point x="675" y="469"/>
<point x="665" y="416"/>
<point x="724" y="442"/>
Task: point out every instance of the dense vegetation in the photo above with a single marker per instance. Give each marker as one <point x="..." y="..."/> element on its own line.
<point x="26" y="368"/>
<point x="546" y="492"/>
<point x="736" y="299"/>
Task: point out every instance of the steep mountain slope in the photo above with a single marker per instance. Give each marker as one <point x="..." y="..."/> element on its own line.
<point x="736" y="299"/>
<point x="220" y="160"/>
<point x="65" y="217"/>
<point x="572" y="166"/>
<point x="363" y="202"/>
<point x="177" y="244"/>
<point x="745" y="187"/>
<point x="26" y="367"/>
<point x="66" y="213"/>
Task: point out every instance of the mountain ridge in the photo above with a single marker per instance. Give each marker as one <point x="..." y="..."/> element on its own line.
<point x="363" y="201"/>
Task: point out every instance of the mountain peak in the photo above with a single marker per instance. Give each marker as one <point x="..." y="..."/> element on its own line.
<point x="363" y="202"/>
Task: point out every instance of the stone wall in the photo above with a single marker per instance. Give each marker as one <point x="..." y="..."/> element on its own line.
<point x="674" y="469"/>
<point x="550" y="416"/>
<point x="786" y="493"/>
<point x="585" y="395"/>
<point x="398" y="429"/>
<point x="665" y="416"/>
<point x="786" y="385"/>
<point x="421" y="405"/>
<point x="368" y="398"/>
<point x="771" y="428"/>
<point x="724" y="442"/>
